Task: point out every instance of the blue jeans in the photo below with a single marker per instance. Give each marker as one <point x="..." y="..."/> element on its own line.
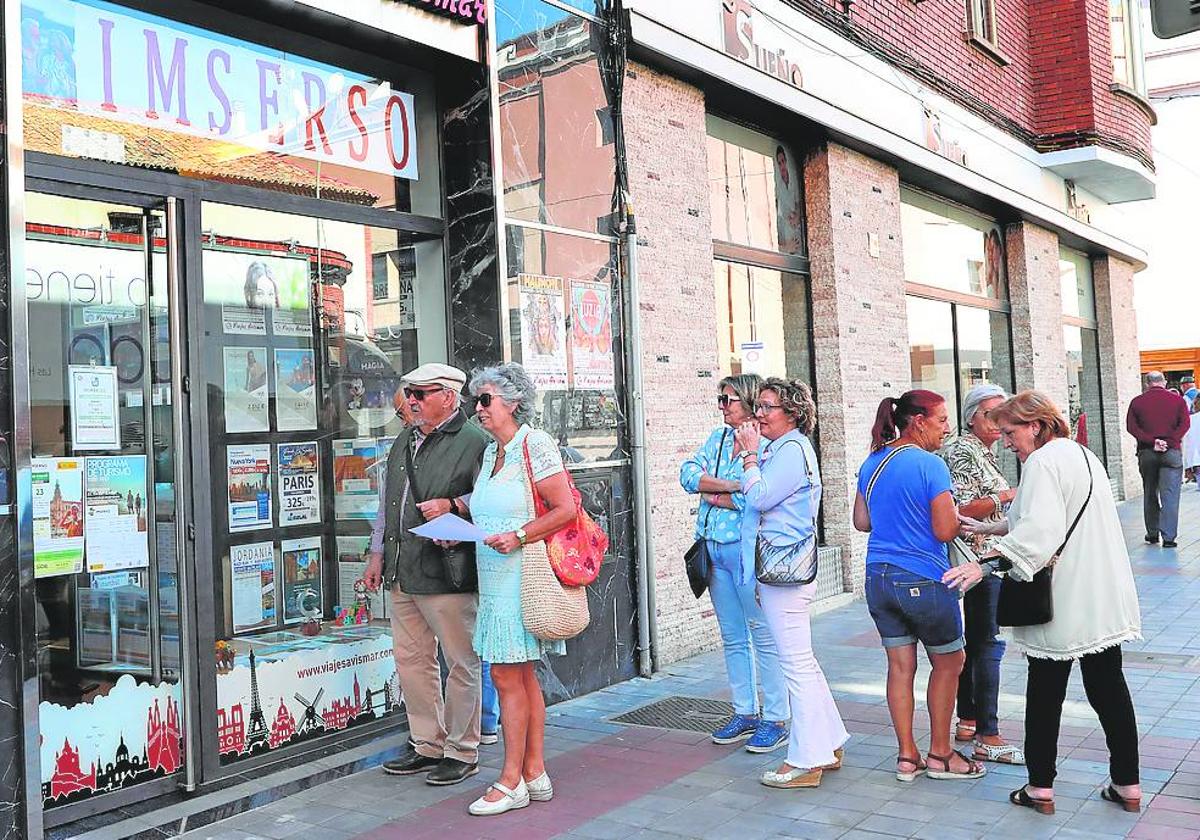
<point x="909" y="608"/>
<point x="742" y="622"/>
<point x="979" y="684"/>
<point x="489" y="720"/>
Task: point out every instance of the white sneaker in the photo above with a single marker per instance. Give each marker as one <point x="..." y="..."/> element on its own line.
<point x="540" y="789"/>
<point x="489" y="738"/>
<point x="512" y="799"/>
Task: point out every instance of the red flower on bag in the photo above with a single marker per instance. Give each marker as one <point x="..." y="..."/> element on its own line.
<point x="576" y="550"/>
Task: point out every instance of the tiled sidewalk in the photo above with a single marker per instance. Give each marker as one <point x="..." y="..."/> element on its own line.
<point x="615" y="781"/>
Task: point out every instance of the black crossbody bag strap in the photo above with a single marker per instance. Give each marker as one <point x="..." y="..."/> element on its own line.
<point x="708" y="513"/>
<point x="1078" y="516"/>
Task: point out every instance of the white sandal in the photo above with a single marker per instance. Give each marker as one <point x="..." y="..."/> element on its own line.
<point x="797" y="777"/>
<point x="1002" y="754"/>
<point x="540" y="789"/>
<point x="512" y="799"/>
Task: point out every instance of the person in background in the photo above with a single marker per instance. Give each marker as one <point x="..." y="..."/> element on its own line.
<point x="1190" y="391"/>
<point x="715" y="474"/>
<point x="429" y="609"/>
<point x="782" y="487"/>
<point x="981" y="491"/>
<point x="905" y="501"/>
<point x="1158" y="420"/>
<point x="502" y="505"/>
<point x="1095" y="602"/>
<point x="1191" y="441"/>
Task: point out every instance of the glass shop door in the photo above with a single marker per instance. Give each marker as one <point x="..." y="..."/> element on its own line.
<point x="105" y="418"/>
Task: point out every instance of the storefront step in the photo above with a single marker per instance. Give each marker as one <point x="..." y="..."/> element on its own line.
<point x="173" y="815"/>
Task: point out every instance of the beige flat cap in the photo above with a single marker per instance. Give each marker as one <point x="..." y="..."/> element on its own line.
<point x="435" y="373"/>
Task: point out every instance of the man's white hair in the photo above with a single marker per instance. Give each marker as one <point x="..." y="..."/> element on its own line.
<point x="1155" y="377"/>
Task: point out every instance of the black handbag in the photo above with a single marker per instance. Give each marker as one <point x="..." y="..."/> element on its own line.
<point x="696" y="559"/>
<point x="1029" y="603"/>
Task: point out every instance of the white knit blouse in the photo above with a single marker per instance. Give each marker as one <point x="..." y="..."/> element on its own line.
<point x="1095" y="600"/>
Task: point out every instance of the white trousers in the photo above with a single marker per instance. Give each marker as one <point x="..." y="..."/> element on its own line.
<point x="817" y="728"/>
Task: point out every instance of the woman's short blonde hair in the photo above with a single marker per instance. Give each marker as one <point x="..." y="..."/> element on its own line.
<point x="796" y="399"/>
<point x="1033" y="407"/>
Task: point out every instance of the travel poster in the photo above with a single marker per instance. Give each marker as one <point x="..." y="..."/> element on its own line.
<point x="246" y="389"/>
<point x="246" y="286"/>
<point x="252" y="584"/>
<point x="301" y="579"/>
<point x="95" y="413"/>
<point x="358" y="466"/>
<point x="299" y="484"/>
<point x="352" y="566"/>
<point x="115" y="513"/>
<point x="543" y="330"/>
<point x="295" y="390"/>
<point x="248" y="476"/>
<point x="591" y="336"/>
<point x="57" y="501"/>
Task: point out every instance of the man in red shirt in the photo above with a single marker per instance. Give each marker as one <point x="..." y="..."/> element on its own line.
<point x="1159" y="420"/>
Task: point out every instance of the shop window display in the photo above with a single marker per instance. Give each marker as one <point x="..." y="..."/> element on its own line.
<point x="946" y="247"/>
<point x="309" y="326"/>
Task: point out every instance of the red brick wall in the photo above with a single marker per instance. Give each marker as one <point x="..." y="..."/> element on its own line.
<point x="1054" y="91"/>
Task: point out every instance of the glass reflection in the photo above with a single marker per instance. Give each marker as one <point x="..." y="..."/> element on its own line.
<point x="931" y="348"/>
<point x="556" y="130"/>
<point x="762" y="321"/>
<point x="951" y="249"/>
<point x="1078" y="289"/>
<point x="1085" y="406"/>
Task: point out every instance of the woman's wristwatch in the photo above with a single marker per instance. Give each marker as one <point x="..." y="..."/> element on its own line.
<point x="520" y="535"/>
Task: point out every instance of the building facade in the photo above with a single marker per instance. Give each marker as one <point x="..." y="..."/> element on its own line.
<point x="886" y="195"/>
<point x="230" y="229"/>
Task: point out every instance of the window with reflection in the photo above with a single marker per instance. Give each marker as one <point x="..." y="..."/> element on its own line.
<point x="309" y="325"/>
<point x="151" y="92"/>
<point x="763" y="323"/>
<point x="931" y="347"/>
<point x="562" y="310"/>
<point x="1085" y="404"/>
<point x="947" y="247"/>
<point x="756" y="189"/>
<point x="556" y="131"/>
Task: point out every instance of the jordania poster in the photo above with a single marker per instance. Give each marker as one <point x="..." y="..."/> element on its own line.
<point x="57" y="516"/>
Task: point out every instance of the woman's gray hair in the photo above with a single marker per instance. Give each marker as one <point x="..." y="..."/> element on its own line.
<point x="745" y="387"/>
<point x="976" y="397"/>
<point x="513" y="385"/>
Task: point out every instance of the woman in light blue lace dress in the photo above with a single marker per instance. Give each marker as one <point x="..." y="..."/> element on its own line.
<point x="502" y="506"/>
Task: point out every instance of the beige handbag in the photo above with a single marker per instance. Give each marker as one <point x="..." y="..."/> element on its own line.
<point x="549" y="610"/>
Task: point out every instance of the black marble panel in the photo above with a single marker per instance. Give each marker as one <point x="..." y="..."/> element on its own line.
<point x="471" y="242"/>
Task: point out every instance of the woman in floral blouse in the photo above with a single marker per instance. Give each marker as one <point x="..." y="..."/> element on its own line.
<point x="981" y="492"/>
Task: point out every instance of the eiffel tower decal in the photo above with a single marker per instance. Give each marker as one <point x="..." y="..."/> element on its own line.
<point x="257" y="732"/>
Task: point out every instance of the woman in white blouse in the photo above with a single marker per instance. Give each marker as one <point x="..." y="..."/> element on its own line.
<point x="1095" y="602"/>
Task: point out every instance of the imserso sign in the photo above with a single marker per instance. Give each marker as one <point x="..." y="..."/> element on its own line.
<point x="116" y="63"/>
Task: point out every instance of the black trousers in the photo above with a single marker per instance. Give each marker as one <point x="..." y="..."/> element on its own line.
<point x="1104" y="683"/>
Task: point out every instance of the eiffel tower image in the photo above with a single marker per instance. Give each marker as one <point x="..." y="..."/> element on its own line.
<point x="256" y="732"/>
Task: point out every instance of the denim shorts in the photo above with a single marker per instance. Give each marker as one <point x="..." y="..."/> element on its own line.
<point x="908" y="608"/>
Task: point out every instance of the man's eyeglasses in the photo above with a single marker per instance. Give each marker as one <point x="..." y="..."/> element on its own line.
<point x="419" y="395"/>
<point x="723" y="400"/>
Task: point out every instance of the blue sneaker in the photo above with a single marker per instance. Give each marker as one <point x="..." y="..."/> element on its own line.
<point x="767" y="736"/>
<point x="739" y="728"/>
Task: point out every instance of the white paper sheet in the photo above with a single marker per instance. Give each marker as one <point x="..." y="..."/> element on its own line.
<point x="450" y="527"/>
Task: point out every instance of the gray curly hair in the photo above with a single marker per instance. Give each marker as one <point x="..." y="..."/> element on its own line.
<point x="513" y="385"/>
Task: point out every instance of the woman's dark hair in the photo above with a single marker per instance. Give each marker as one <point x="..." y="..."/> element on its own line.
<point x="796" y="400"/>
<point x="895" y="413"/>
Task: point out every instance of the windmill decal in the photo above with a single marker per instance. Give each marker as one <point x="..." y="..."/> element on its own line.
<point x="312" y="718"/>
<point x="257" y="734"/>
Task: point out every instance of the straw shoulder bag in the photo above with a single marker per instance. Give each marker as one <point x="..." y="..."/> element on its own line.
<point x="549" y="609"/>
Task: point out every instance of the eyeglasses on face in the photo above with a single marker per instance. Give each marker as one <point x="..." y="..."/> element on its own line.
<point x="485" y="399"/>
<point x="766" y="408"/>
<point x="723" y="400"/>
<point x="420" y="394"/>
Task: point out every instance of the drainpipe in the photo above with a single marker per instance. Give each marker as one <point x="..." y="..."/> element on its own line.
<point x="643" y="535"/>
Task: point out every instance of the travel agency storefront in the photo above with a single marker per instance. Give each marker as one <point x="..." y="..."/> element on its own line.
<point x="847" y="195"/>
<point x="231" y="228"/>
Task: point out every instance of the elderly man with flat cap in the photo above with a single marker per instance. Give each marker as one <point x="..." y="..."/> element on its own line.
<point x="430" y="472"/>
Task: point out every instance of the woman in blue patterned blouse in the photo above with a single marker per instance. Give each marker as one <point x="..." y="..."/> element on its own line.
<point x="715" y="474"/>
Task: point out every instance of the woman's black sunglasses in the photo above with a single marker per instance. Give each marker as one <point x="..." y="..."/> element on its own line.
<point x="484" y="399"/>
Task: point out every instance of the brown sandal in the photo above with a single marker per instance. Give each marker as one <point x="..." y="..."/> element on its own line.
<point x="918" y="768"/>
<point x="1021" y="797"/>
<point x="1109" y="794"/>
<point x="975" y="770"/>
